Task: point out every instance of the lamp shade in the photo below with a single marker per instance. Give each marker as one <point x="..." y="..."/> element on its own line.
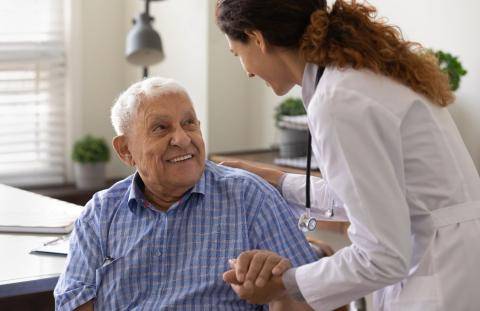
<point x="144" y="46"/>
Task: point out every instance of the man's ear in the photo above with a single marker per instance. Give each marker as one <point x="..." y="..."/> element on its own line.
<point x="257" y="38"/>
<point x="120" y="145"/>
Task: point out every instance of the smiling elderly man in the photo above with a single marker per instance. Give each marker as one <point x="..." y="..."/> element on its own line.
<point x="161" y="238"/>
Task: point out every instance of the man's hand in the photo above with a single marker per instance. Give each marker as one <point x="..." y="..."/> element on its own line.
<point x="256" y="276"/>
<point x="258" y="266"/>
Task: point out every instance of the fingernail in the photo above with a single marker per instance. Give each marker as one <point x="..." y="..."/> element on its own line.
<point x="240" y="277"/>
<point x="248" y="285"/>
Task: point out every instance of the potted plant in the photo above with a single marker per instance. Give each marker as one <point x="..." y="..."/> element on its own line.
<point x="293" y="135"/>
<point x="90" y="155"/>
<point x="452" y="66"/>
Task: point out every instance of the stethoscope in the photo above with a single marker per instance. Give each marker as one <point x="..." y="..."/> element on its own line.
<point x="306" y="222"/>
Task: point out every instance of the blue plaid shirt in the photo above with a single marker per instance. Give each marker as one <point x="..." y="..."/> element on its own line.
<point x="127" y="255"/>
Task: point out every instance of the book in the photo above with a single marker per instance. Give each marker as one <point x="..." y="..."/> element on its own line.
<point x="28" y="212"/>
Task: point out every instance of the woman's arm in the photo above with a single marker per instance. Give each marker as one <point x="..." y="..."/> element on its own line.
<point x="292" y="188"/>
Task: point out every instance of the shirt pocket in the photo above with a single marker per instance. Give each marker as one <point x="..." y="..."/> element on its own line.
<point x="122" y="282"/>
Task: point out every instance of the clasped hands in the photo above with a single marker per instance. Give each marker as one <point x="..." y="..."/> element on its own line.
<point x="256" y="276"/>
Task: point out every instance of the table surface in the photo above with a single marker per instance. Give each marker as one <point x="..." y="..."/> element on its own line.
<point x="24" y="273"/>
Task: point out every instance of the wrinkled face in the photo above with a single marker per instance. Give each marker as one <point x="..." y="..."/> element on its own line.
<point x="265" y="63"/>
<point x="166" y="143"/>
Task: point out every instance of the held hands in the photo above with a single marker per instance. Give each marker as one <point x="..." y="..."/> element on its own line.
<point x="256" y="276"/>
<point x="272" y="176"/>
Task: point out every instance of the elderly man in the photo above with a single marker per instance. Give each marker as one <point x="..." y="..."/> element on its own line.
<point x="161" y="238"/>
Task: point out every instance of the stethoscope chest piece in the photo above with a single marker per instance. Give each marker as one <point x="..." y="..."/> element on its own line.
<point x="307" y="223"/>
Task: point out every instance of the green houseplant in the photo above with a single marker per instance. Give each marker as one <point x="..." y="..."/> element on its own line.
<point x="452" y="66"/>
<point x="90" y="154"/>
<point x="289" y="107"/>
<point x="292" y="141"/>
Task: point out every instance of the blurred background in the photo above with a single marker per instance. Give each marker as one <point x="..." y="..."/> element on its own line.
<point x="62" y="65"/>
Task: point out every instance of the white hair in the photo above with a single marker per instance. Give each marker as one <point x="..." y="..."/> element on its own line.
<point x="128" y="102"/>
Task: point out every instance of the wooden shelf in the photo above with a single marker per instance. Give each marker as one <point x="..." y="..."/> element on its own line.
<point x="263" y="158"/>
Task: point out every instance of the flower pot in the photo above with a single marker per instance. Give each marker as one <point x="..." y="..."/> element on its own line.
<point x="292" y="143"/>
<point x="89" y="175"/>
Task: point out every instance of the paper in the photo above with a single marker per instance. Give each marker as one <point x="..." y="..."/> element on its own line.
<point x="58" y="246"/>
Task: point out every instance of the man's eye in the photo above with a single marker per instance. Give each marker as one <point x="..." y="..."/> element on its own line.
<point x="159" y="127"/>
<point x="191" y="122"/>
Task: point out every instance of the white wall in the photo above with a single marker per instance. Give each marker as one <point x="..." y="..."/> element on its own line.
<point x="240" y="109"/>
<point x="229" y="100"/>
<point x="96" y="57"/>
<point x="183" y="28"/>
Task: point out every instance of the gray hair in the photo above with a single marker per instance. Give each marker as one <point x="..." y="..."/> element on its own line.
<point x="128" y="102"/>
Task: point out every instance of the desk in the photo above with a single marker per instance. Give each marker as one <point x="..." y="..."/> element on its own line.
<point x="23" y="273"/>
<point x="27" y="280"/>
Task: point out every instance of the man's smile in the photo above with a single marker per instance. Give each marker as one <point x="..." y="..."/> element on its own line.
<point x="181" y="158"/>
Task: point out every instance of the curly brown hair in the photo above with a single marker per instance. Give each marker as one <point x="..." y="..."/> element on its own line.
<point x="350" y="35"/>
<point x="347" y="35"/>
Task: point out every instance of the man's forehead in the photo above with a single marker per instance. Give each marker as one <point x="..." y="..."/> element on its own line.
<point x="167" y="103"/>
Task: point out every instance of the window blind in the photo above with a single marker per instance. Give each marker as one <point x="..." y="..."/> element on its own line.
<point x="32" y="92"/>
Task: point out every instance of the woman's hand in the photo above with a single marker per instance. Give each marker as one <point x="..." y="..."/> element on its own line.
<point x="272" y="176"/>
<point x="256" y="276"/>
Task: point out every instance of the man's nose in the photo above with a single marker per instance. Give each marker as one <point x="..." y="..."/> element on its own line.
<point x="180" y="138"/>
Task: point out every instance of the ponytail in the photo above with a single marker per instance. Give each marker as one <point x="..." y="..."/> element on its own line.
<point x="349" y="35"/>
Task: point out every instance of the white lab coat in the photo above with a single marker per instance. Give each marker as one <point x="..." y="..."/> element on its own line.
<point x="395" y="166"/>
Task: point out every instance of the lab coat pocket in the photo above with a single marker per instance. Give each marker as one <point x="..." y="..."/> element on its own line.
<point x="417" y="293"/>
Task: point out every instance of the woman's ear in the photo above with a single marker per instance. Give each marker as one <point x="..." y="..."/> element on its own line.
<point x="257" y="38"/>
<point x="120" y="144"/>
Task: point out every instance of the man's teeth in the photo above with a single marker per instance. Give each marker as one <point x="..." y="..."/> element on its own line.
<point x="182" y="158"/>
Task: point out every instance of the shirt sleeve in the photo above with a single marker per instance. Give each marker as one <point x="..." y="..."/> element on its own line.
<point x="360" y="144"/>
<point x="274" y="228"/>
<point x="76" y="285"/>
<point x="323" y="199"/>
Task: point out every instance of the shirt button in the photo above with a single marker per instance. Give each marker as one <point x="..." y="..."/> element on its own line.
<point x="159" y="253"/>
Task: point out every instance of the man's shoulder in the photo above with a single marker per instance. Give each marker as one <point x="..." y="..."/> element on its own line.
<point x="105" y="200"/>
<point x="223" y="174"/>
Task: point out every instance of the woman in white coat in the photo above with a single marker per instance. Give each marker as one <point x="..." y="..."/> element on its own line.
<point x="392" y="160"/>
